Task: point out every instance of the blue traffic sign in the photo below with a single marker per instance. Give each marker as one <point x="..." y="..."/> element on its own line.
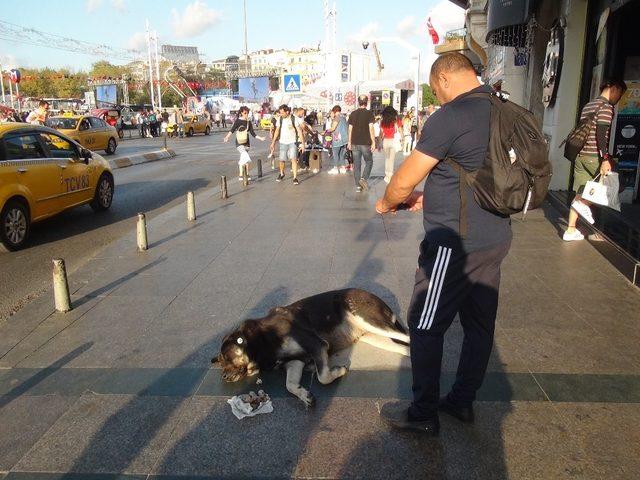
<point x="292" y="83"/>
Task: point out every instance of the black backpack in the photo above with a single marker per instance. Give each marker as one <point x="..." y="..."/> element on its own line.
<point x="516" y="173"/>
<point x="575" y="141"/>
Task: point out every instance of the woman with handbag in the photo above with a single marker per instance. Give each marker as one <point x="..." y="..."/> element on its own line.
<point x="242" y="127"/>
<point x="391" y="140"/>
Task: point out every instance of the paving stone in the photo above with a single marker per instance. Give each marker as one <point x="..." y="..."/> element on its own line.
<point x="21" y="428"/>
<point x="106" y="434"/>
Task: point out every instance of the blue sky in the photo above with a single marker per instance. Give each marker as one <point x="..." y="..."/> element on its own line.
<point x="215" y="26"/>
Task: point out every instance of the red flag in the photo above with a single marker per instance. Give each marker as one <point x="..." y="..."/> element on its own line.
<point x="432" y="31"/>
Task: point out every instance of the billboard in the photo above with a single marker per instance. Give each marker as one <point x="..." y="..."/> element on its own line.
<point x="253" y="89"/>
<point x="180" y="54"/>
<point x="106" y="95"/>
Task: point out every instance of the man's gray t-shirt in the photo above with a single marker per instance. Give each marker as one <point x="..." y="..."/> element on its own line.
<point x="459" y="130"/>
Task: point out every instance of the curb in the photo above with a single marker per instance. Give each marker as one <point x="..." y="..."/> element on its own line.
<point x="138" y="159"/>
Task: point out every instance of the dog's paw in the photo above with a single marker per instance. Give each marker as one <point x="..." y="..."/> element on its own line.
<point x="338" y="372"/>
<point x="308" y="399"/>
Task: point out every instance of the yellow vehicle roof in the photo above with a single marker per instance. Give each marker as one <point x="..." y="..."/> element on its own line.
<point x="75" y="117"/>
<point x="13" y="126"/>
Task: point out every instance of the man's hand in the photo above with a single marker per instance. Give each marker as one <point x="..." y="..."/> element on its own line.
<point x="382" y="207"/>
<point x="226" y="138"/>
<point x="271" y="149"/>
<point x="373" y="147"/>
<point x="349" y="146"/>
<point x="605" y="167"/>
<point x="301" y="148"/>
<point x="414" y="201"/>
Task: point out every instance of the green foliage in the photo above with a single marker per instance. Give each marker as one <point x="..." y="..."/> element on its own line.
<point x="428" y="97"/>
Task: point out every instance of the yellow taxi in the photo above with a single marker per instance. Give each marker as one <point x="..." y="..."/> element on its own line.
<point x="266" y="122"/>
<point x="196" y="124"/>
<point x="42" y="173"/>
<point x="90" y="132"/>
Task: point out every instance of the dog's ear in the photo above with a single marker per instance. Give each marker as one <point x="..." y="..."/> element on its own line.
<point x="215" y="360"/>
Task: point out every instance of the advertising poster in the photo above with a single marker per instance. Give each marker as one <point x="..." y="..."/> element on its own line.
<point x="254" y="89"/>
<point x="627" y="135"/>
<point x="106" y="96"/>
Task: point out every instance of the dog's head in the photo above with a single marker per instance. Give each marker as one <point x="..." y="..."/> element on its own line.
<point x="234" y="358"/>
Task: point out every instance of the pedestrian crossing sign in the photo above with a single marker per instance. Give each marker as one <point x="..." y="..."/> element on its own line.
<point x="292" y="83"/>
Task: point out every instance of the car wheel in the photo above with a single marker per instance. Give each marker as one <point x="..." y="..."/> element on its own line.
<point x="207" y="131"/>
<point x="190" y="133"/>
<point x="14" y="225"/>
<point x="121" y="133"/>
<point x="104" y="193"/>
<point x="111" y="146"/>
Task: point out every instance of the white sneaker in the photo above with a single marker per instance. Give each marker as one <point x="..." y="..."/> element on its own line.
<point x="333" y="171"/>
<point x="342" y="170"/>
<point x="570" y="237"/>
<point x="584" y="211"/>
<point x="387" y="179"/>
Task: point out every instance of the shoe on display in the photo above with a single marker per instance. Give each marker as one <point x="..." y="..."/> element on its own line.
<point x="583" y="210"/>
<point x="570" y="237"/>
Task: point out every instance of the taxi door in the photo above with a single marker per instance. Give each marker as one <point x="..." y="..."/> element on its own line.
<point x="28" y="166"/>
<point x="87" y="134"/>
<point x="100" y="132"/>
<point x="75" y="181"/>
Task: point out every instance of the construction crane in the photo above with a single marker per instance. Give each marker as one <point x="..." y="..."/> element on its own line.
<point x="377" y="54"/>
<point x="11" y="32"/>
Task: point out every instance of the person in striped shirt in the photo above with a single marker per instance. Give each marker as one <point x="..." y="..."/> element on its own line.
<point x="594" y="158"/>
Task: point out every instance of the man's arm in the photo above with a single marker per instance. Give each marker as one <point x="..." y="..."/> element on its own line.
<point x="372" y="134"/>
<point x="401" y="188"/>
<point x="349" y="143"/>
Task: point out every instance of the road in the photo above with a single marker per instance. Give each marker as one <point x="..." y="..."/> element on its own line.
<point x="152" y="188"/>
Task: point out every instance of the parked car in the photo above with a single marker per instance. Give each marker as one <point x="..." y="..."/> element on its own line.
<point x="42" y="173"/>
<point x="89" y="131"/>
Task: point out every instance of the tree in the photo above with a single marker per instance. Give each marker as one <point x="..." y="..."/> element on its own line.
<point x="428" y="97"/>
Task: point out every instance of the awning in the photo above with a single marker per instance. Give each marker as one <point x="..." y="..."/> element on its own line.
<point x="461" y="3"/>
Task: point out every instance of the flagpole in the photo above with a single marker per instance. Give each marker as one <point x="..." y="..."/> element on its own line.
<point x="4" y="99"/>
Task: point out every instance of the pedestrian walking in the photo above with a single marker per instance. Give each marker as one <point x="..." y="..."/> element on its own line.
<point x="243" y="127"/>
<point x="594" y="158"/>
<point x="390" y="135"/>
<point x="459" y="264"/>
<point x="289" y="134"/>
<point x="339" y="138"/>
<point x="362" y="142"/>
<point x="406" y="134"/>
<point x="307" y="132"/>
<point x="223" y="119"/>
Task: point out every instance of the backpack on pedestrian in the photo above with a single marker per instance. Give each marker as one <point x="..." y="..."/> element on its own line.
<point x="577" y="138"/>
<point x="293" y="122"/>
<point x="516" y="172"/>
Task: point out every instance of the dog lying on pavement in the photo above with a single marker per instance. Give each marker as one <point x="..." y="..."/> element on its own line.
<point x="306" y="333"/>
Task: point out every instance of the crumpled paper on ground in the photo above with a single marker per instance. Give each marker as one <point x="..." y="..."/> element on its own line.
<point x="243" y="409"/>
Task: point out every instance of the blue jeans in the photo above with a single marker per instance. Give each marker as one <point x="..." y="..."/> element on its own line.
<point x="339" y="154"/>
<point x="360" y="152"/>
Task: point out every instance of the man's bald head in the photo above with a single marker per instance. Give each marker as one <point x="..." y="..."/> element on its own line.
<point x="451" y="75"/>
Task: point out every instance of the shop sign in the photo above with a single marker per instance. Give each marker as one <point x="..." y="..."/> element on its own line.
<point x="344" y="64"/>
<point x="627" y="134"/>
<point x="386" y="97"/>
<point x="505" y="13"/>
<point x="495" y="69"/>
<point x="552" y="65"/>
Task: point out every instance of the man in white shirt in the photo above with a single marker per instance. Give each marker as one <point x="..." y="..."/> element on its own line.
<point x="289" y="134"/>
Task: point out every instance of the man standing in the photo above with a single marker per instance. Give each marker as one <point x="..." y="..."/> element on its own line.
<point x="594" y="158"/>
<point x="289" y="133"/>
<point x="362" y="142"/>
<point x="39" y="115"/>
<point x="458" y="272"/>
<point x="307" y="132"/>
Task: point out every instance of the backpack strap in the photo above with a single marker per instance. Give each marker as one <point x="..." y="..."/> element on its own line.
<point x="462" y="174"/>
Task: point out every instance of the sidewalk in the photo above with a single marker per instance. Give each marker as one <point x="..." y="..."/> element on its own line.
<point x="122" y="385"/>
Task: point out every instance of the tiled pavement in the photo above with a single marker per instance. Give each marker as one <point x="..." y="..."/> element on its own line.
<point x="121" y="387"/>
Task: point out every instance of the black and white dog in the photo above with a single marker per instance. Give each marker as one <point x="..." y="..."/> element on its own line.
<point x="306" y="333"/>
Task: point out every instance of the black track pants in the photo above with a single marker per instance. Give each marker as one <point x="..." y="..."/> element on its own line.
<point x="449" y="282"/>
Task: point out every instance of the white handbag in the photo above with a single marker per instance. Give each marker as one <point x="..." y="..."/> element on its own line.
<point x="596" y="192"/>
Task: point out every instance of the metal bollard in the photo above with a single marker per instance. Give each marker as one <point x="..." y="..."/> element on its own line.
<point x="164" y="137"/>
<point x="245" y="175"/>
<point x="191" y="207"/>
<point x="61" y="286"/>
<point x="142" y="232"/>
<point x="259" y="168"/>
<point x="223" y="187"/>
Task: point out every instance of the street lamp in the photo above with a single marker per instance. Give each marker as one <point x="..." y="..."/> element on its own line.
<point x="416" y="54"/>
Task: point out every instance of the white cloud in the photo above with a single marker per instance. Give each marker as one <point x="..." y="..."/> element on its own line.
<point x="8" y="61"/>
<point x="368" y="32"/>
<point x="92" y="5"/>
<point x="119" y="5"/>
<point x="194" y="20"/>
<point x="137" y="41"/>
<point x="444" y="16"/>
<point x="406" y="26"/>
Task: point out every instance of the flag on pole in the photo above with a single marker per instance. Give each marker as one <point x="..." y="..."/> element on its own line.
<point x="432" y="31"/>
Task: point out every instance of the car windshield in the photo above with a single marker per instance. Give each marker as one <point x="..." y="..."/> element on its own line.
<point x="62" y="123"/>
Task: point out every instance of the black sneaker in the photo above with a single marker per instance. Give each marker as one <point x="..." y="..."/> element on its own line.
<point x="396" y="414"/>
<point x="296" y="182"/>
<point x="464" y="414"/>
<point x="280" y="177"/>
